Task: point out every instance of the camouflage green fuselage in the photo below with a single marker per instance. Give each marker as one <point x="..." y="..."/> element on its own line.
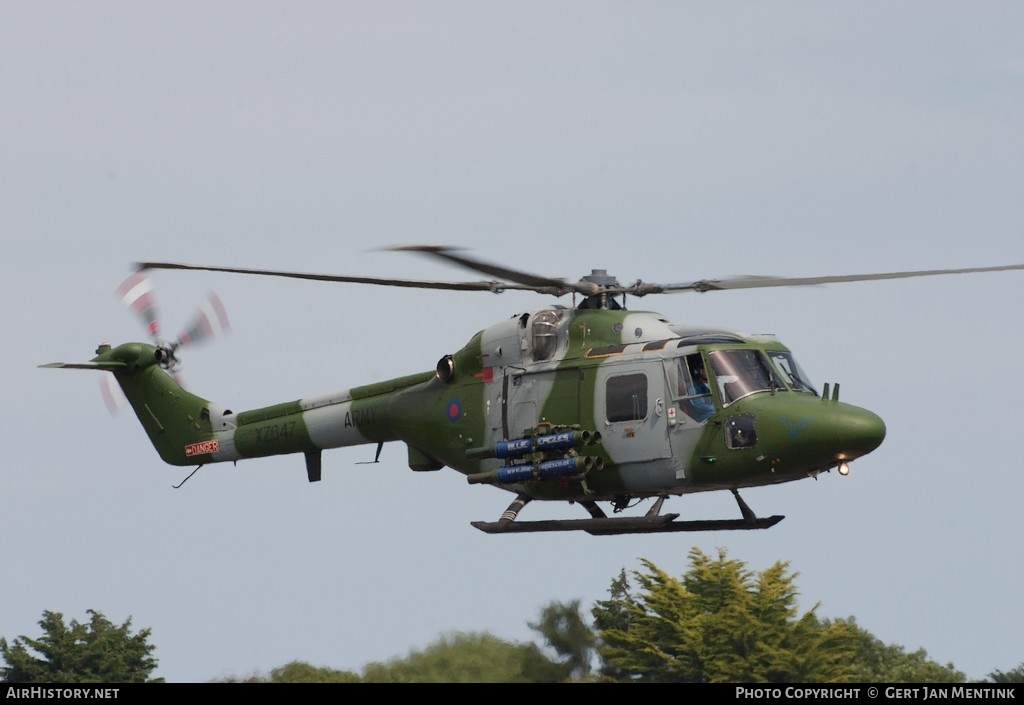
<point x="614" y="377"/>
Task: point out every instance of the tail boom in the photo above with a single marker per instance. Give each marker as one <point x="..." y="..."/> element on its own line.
<point x="186" y="429"/>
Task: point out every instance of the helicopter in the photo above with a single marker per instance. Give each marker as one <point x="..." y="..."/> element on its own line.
<point x="592" y="404"/>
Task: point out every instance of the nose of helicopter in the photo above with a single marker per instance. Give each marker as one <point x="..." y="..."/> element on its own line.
<point x="858" y="431"/>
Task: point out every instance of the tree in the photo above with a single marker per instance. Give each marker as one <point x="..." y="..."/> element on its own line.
<point x="614" y="614"/>
<point x="298" y="672"/>
<point x="566" y="632"/>
<point x="94" y="652"/>
<point x="468" y="658"/>
<point x="719" y="623"/>
<point x="1014" y="676"/>
<point x="876" y="662"/>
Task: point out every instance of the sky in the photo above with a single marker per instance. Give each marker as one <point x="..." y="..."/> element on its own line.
<point x="663" y="141"/>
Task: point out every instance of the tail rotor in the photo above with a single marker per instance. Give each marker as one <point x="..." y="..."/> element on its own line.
<point x="137" y="293"/>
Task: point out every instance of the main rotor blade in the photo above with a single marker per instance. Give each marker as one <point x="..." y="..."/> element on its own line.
<point x="531" y="281"/>
<point x="493" y="286"/>
<point x="523" y="281"/>
<point x="755" y="282"/>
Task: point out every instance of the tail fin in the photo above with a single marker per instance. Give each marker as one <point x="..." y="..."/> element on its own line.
<point x="176" y="421"/>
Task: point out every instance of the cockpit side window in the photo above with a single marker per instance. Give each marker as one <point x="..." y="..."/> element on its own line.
<point x="790" y="371"/>
<point x="695" y="393"/>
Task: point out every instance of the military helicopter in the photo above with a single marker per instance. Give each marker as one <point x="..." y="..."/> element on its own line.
<point x="590" y="404"/>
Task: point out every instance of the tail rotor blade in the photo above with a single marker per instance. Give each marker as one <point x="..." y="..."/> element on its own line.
<point x="211" y="321"/>
<point x="112" y="395"/>
<point x="136" y="292"/>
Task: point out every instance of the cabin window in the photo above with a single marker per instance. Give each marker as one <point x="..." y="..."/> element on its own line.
<point x="626" y="397"/>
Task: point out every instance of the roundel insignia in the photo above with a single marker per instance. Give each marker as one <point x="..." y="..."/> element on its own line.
<point x="454" y="410"/>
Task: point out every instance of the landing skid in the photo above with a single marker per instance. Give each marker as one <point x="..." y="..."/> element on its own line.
<point x="625" y="525"/>
<point x="600" y="525"/>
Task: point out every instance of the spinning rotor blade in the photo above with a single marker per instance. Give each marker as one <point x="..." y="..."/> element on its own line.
<point x="588" y="286"/>
<point x="210" y="321"/>
<point x="112" y="395"/>
<point x="494" y="286"/>
<point x="514" y="279"/>
<point x="136" y="292"/>
<point x="755" y="282"/>
<point x="534" y="282"/>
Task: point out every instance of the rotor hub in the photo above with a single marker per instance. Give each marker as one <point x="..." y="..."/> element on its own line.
<point x="601" y="278"/>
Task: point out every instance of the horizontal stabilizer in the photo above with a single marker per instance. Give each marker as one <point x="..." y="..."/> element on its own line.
<point x="108" y="365"/>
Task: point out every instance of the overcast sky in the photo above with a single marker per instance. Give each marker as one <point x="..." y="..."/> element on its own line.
<point x="665" y="141"/>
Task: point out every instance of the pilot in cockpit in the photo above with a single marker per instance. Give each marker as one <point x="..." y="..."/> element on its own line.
<point x="697" y="404"/>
